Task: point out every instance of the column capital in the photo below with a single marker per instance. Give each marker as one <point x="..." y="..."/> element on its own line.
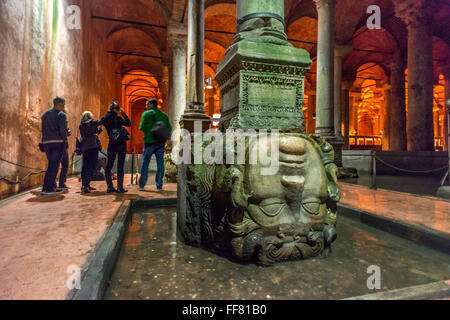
<point x="177" y="35"/>
<point x="323" y="3"/>
<point x="415" y="13"/>
<point x="341" y="50"/>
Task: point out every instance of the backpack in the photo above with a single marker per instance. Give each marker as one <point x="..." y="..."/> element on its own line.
<point x="160" y="131"/>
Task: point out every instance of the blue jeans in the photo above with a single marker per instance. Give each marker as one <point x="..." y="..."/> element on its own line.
<point x="54" y="152"/>
<point x="150" y="149"/>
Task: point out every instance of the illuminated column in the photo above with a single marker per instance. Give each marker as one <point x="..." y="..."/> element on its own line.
<point x="346" y="87"/>
<point x="447" y="106"/>
<point x="325" y="73"/>
<point x="385" y="141"/>
<point x="339" y="52"/>
<point x="418" y="17"/>
<point x="311" y="113"/>
<point x="177" y="41"/>
<point x="397" y="108"/>
<point x="165" y="82"/>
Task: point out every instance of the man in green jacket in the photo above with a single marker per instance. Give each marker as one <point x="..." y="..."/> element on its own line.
<point x="151" y="144"/>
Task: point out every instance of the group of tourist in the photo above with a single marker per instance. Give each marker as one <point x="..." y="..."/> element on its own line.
<point x="55" y="132"/>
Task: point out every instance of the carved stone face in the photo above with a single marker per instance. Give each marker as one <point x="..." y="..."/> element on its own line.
<point x="296" y="194"/>
<point x="284" y="215"/>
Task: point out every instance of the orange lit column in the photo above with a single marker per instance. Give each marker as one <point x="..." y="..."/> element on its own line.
<point x="386" y="121"/>
<point x="166" y="70"/>
<point x="446" y="73"/>
<point x="418" y="17"/>
<point x="311" y="113"/>
<point x="396" y="111"/>
<point x="346" y="86"/>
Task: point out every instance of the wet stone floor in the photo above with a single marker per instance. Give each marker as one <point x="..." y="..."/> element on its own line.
<point x="153" y="265"/>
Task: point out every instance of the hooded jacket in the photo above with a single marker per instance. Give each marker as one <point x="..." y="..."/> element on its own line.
<point x="89" y="130"/>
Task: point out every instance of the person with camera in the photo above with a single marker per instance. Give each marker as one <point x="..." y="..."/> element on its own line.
<point x="89" y="147"/>
<point x="114" y="122"/>
<point x="156" y="127"/>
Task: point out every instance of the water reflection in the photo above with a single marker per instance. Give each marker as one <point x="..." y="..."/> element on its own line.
<point x="162" y="267"/>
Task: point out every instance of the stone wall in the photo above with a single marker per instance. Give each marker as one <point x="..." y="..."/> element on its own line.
<point x="42" y="58"/>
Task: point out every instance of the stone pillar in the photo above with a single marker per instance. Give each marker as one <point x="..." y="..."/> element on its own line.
<point x="446" y="74"/>
<point x="385" y="141"/>
<point x="346" y="109"/>
<point x="418" y="16"/>
<point x="339" y="52"/>
<point x="325" y="73"/>
<point x="396" y="113"/>
<point x="195" y="107"/>
<point x="166" y="70"/>
<point x="177" y="41"/>
<point x="311" y="113"/>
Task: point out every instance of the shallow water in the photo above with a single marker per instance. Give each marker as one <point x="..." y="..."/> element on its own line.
<point x="154" y="264"/>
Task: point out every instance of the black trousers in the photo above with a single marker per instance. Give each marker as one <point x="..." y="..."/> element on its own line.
<point x="112" y="154"/>
<point x="90" y="159"/>
<point x="54" y="152"/>
<point x="64" y="167"/>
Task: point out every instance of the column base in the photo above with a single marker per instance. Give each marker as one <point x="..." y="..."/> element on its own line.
<point x="337" y="142"/>
<point x="188" y="121"/>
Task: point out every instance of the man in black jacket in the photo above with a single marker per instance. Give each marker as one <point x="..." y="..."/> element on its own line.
<point x="113" y="124"/>
<point x="54" y="139"/>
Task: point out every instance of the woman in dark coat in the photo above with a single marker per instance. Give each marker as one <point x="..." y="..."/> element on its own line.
<point x="113" y="123"/>
<point x="90" y="146"/>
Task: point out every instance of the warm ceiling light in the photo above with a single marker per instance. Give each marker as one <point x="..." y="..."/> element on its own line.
<point x="209" y="83"/>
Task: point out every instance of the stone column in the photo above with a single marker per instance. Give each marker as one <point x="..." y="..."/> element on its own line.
<point x="385" y="141"/>
<point x="339" y="52"/>
<point x="396" y="113"/>
<point x="311" y="113"/>
<point x="346" y="86"/>
<point x="177" y="41"/>
<point x="446" y="73"/>
<point x="418" y="16"/>
<point x="325" y="73"/>
<point x="195" y="107"/>
<point x="166" y="70"/>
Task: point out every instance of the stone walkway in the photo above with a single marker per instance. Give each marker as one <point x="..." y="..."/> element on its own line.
<point x="430" y="212"/>
<point x="40" y="237"/>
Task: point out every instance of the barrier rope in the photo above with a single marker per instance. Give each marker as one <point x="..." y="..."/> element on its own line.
<point x="410" y="171"/>
<point x="21" y="180"/>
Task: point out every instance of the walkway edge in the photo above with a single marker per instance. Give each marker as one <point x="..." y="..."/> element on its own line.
<point x="102" y="260"/>
<point x="435" y="290"/>
<point x="419" y="234"/>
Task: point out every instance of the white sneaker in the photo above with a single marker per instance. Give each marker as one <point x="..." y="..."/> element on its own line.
<point x="50" y="193"/>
